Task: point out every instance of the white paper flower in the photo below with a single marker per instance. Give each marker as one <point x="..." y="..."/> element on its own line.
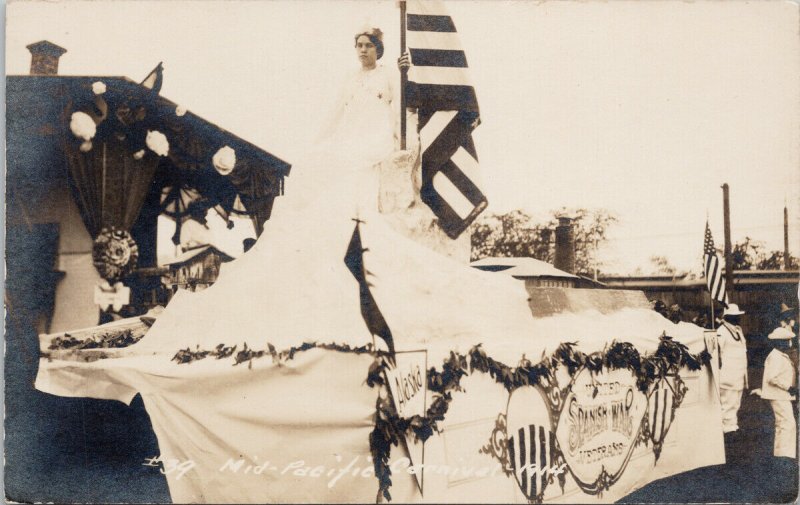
<point x="86" y="146"/>
<point x="224" y="160"/>
<point x="157" y="142"/>
<point x="99" y="87"/>
<point x="82" y="126"/>
<point x="180" y="110"/>
<point x="138" y="154"/>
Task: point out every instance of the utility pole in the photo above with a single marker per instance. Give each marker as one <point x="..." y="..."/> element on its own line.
<point x="726" y="210"/>
<point x="787" y="264"/>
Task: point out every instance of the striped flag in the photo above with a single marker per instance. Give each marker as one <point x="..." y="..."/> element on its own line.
<point x="712" y="269"/>
<point x="531" y="451"/>
<point x="439" y="86"/>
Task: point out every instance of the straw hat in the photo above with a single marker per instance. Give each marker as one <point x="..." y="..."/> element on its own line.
<point x="787" y="312"/>
<point x="732" y="310"/>
<point x="781" y="334"/>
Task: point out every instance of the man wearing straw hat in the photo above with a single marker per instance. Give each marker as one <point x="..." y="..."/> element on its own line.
<point x="788" y="319"/>
<point x="733" y="370"/>
<point x="779" y="386"/>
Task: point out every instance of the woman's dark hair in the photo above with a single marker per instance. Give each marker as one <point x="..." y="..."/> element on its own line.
<point x="375" y="36"/>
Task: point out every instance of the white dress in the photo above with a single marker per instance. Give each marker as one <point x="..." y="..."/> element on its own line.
<point x="338" y="174"/>
<point x="779" y="376"/>
<point x="293" y="285"/>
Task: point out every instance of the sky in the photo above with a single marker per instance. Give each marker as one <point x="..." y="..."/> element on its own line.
<point x="641" y="108"/>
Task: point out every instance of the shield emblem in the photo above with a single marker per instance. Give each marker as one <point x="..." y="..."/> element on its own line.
<point x="531" y="451"/>
<point x="530" y="442"/>
<point x="663" y="400"/>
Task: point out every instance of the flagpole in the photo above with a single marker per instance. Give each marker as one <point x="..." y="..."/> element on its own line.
<point x="403" y="76"/>
<point x="711" y="307"/>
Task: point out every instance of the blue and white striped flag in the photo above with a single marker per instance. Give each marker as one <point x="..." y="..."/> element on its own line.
<point x="439" y="86"/>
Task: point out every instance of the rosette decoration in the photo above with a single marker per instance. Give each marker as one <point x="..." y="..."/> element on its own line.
<point x="99" y="87"/>
<point x="114" y="254"/>
<point x="224" y="160"/>
<point x="83" y="127"/>
<point x="157" y="142"/>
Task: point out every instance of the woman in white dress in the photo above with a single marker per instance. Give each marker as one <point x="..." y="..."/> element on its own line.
<point x="294" y="285"/>
<point x="340" y="169"/>
<point x="779" y="386"/>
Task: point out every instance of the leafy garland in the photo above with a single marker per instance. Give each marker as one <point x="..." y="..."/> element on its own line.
<point x="670" y="356"/>
<point x="247" y="355"/>
<point x="110" y="340"/>
<point x="390" y="427"/>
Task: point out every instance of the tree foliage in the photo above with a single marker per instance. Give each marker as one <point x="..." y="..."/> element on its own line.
<point x="661" y="265"/>
<point x="517" y="234"/>
<point x="751" y="254"/>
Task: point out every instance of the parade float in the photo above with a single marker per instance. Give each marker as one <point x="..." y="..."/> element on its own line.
<point x="367" y="362"/>
<point x="589" y="400"/>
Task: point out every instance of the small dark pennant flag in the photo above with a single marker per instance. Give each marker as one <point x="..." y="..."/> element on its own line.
<point x="712" y="270"/>
<point x="154" y="79"/>
<point x="439" y="86"/>
<point x="531" y="451"/>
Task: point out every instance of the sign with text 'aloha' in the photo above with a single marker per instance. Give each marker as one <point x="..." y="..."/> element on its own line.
<point x="408" y="386"/>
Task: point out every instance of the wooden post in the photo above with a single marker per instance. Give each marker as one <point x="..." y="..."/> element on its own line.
<point x="403" y="76"/>
<point x="787" y="264"/>
<point x="726" y="209"/>
<point x="711" y="307"/>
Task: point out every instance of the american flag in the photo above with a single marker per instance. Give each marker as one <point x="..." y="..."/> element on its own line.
<point x="713" y="270"/>
<point x="531" y="451"/>
<point x="439" y="86"/>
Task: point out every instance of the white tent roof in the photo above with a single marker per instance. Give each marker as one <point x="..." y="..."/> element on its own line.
<point x="521" y="267"/>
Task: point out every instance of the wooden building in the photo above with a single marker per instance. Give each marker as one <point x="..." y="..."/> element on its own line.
<point x="758" y="292"/>
<point x="195" y="269"/>
<point x="88" y="153"/>
<point x="553" y="291"/>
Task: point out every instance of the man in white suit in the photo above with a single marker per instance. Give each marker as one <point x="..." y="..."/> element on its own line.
<point x="733" y="370"/>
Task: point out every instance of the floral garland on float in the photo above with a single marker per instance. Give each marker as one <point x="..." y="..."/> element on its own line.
<point x="644" y="392"/>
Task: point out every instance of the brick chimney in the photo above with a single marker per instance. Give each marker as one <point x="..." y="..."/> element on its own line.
<point x="44" y="57"/>
<point x="565" y="245"/>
